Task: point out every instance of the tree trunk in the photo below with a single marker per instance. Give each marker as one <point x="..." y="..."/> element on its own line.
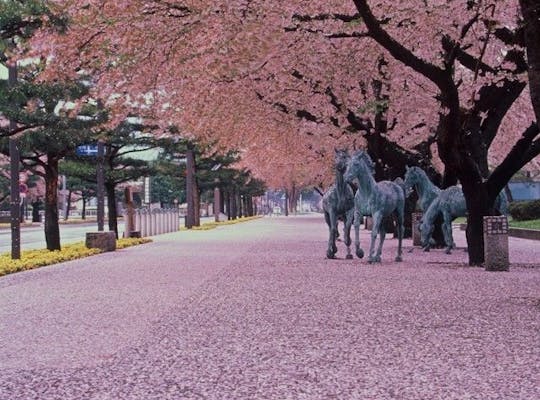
<point x="111" y="205"/>
<point x="68" y="205"/>
<point x="36" y="207"/>
<point x="52" y="229"/>
<point x="190" y="187"/>
<point x="530" y="10"/>
<point x="250" y="206"/>
<point x="196" y="204"/>
<point x="239" y="211"/>
<point x="221" y="200"/>
<point x="286" y="203"/>
<point x="234" y="206"/>
<point x="227" y="198"/>
<point x="478" y="206"/>
<point x="83" y="213"/>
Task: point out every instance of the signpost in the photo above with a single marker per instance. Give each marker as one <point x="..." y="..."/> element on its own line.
<point x="87" y="150"/>
<point x="97" y="150"/>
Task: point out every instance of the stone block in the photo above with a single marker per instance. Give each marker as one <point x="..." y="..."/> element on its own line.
<point x="221" y="217"/>
<point x="496" y="256"/>
<point x="105" y="241"/>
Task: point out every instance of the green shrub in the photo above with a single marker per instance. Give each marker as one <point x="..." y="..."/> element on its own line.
<point x="525" y="210"/>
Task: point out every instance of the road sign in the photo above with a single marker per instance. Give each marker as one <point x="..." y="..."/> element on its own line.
<point x="87" y="150"/>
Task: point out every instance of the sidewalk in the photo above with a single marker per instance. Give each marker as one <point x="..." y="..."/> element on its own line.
<point x="255" y="311"/>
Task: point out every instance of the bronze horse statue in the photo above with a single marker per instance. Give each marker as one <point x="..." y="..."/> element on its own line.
<point x="427" y="191"/>
<point x="451" y="204"/>
<point x="338" y="204"/>
<point x="378" y="199"/>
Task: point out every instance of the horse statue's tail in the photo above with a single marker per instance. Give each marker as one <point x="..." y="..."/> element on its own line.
<point x="501" y="204"/>
<point x="427" y="224"/>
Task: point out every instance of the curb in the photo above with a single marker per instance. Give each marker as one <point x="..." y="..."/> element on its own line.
<point x="522" y="233"/>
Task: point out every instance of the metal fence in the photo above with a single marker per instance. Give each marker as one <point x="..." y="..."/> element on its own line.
<point x="156" y="221"/>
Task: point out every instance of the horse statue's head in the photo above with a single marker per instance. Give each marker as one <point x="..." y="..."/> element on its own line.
<point x="413" y="175"/>
<point x="341" y="159"/>
<point x="359" y="164"/>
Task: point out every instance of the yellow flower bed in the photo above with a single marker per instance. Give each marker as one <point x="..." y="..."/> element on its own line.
<point x="211" y="225"/>
<point x="122" y="243"/>
<point x="31" y="259"/>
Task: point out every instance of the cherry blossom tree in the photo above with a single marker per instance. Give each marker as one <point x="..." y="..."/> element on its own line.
<point x="287" y="81"/>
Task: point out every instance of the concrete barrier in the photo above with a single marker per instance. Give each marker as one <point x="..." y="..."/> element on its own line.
<point x="524" y="233"/>
<point x="156" y="221"/>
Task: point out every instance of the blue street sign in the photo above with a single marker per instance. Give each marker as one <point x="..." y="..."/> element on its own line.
<point x="87" y="150"/>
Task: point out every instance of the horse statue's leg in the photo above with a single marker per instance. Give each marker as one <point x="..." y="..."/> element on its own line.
<point x="349" y="216"/>
<point x="382" y="236"/>
<point x="400" y="228"/>
<point x="357" y="221"/>
<point x="447" y="232"/>
<point x="377" y="221"/>
<point x="331" y="220"/>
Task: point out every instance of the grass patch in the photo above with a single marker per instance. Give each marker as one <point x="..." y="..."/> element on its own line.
<point x="205" y="226"/>
<point x="31" y="259"/>
<point x="531" y="224"/>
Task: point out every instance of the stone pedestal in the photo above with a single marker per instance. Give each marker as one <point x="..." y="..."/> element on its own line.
<point x="368" y="223"/>
<point x="496" y="243"/>
<point x="105" y="241"/>
<point x="416" y="219"/>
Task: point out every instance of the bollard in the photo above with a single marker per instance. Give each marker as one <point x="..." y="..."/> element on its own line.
<point x="416" y="220"/>
<point x="149" y="231"/>
<point x="496" y="243"/>
<point x="144" y="222"/>
<point x="159" y="229"/>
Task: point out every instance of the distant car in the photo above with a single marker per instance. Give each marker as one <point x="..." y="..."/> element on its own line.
<point x="276" y="210"/>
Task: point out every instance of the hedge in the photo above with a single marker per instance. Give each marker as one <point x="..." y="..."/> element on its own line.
<point x="525" y="210"/>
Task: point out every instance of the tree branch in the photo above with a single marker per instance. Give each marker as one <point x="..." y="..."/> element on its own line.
<point x="396" y="49"/>
<point x="525" y="149"/>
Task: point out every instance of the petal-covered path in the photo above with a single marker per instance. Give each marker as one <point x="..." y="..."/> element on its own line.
<point x="255" y="311"/>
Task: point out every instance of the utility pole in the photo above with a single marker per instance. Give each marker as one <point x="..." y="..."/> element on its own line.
<point x="15" y="199"/>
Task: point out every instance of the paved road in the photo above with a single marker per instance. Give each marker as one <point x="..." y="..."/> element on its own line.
<point x="33" y="237"/>
<point x="255" y="311"/>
